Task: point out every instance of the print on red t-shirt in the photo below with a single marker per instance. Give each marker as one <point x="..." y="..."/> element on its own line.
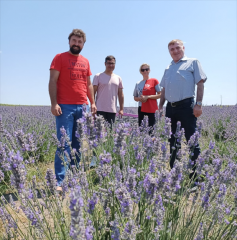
<point x="72" y="81"/>
<point x="77" y="70"/>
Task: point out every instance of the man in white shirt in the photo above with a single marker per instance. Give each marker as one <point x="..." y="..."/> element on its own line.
<point x="107" y="87"/>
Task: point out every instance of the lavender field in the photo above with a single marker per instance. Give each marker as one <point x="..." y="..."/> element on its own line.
<point x="131" y="193"/>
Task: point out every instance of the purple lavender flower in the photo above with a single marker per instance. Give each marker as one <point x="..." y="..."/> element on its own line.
<point x="70" y="179"/>
<point x="100" y="128"/>
<point x="159" y="212"/>
<point x="18" y="177"/>
<point x="91" y="203"/>
<point x="89" y="230"/>
<point x="118" y="173"/>
<point x="10" y="140"/>
<point x="125" y="201"/>
<point x="80" y="129"/>
<point x="193" y="141"/>
<point x="107" y="211"/>
<point x="64" y="139"/>
<point x="176" y="176"/>
<point x="121" y="132"/>
<point x="105" y="158"/>
<point x="152" y="165"/>
<point x="83" y="180"/>
<point x="78" y="229"/>
<point x="179" y="134"/>
<point x="131" y="180"/>
<point x="51" y="180"/>
<point x="1" y="125"/>
<point x="167" y="128"/>
<point x="145" y="123"/>
<point x="199" y="127"/>
<point x="130" y="230"/>
<point x="32" y="215"/>
<point x="115" y="235"/>
<point x="7" y="220"/>
<point x="150" y="186"/>
<point x="3" y="157"/>
<point x="64" y="186"/>
<point x="177" y="129"/>
<point x="104" y="169"/>
<point x="211" y="145"/>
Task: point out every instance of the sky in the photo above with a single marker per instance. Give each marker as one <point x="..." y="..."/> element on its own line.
<point x="135" y="32"/>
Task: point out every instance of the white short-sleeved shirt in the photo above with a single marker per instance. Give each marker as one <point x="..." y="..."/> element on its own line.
<point x="107" y="92"/>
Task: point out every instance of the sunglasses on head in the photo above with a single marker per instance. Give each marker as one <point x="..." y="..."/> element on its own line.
<point x="145" y="69"/>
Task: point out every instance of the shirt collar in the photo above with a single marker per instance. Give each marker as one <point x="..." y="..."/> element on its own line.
<point x="184" y="58"/>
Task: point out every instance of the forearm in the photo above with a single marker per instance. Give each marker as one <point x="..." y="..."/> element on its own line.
<point x="162" y="98"/>
<point x="53" y="92"/>
<point x="121" y="100"/>
<point x="137" y="99"/>
<point x="200" y="91"/>
<point x="90" y="94"/>
<point x="157" y="96"/>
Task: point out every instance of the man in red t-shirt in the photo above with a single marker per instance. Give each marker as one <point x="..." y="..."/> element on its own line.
<point x="69" y="87"/>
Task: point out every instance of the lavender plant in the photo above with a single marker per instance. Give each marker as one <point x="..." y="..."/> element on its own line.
<point x="136" y="196"/>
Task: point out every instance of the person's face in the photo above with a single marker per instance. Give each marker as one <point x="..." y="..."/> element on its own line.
<point x="145" y="70"/>
<point x="110" y="65"/>
<point x="76" y="44"/>
<point x="176" y="51"/>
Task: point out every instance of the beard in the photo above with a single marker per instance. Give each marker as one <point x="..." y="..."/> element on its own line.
<point x="75" y="49"/>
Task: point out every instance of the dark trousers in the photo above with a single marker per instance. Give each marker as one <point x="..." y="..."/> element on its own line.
<point x="108" y="116"/>
<point x="184" y="114"/>
<point x="151" y="117"/>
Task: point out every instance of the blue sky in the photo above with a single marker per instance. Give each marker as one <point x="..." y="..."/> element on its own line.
<point x="33" y="32"/>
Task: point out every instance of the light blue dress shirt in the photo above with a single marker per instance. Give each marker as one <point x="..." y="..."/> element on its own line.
<point x="180" y="78"/>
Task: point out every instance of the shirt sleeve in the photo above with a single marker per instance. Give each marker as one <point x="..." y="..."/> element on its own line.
<point x="157" y="87"/>
<point x="56" y="63"/>
<point x="135" y="93"/>
<point x="89" y="70"/>
<point x="96" y="80"/>
<point x="198" y="73"/>
<point x="162" y="83"/>
<point x="120" y="82"/>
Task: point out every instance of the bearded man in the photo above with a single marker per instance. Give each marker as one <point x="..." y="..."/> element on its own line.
<point x="69" y="87"/>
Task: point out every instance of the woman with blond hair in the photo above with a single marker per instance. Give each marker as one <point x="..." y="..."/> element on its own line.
<point x="146" y="92"/>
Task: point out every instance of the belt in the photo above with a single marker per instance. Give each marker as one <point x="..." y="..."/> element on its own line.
<point x="175" y="104"/>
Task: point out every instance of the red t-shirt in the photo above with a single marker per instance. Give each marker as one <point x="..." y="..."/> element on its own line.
<point x="72" y="81"/>
<point x="150" y="106"/>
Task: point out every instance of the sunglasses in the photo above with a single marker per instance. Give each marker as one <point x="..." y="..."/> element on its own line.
<point x="145" y="69"/>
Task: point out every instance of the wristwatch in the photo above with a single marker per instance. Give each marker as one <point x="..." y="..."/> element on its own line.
<point x="199" y="104"/>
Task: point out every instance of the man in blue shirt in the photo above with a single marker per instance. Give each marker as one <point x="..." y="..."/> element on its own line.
<point x="178" y="83"/>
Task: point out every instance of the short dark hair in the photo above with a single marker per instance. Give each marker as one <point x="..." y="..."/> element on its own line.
<point x="78" y="33"/>
<point x="109" y="58"/>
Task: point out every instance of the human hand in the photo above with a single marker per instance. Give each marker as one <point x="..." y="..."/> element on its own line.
<point x="121" y="113"/>
<point x="56" y="110"/>
<point x="93" y="108"/>
<point x="197" y="111"/>
<point x="144" y="98"/>
<point x="161" y="111"/>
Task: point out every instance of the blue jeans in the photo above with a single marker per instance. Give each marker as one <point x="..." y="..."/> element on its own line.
<point x="68" y="118"/>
